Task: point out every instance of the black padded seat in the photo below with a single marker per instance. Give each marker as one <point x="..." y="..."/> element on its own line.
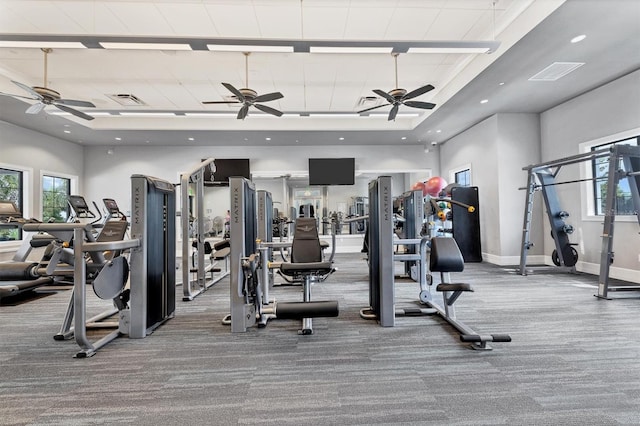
<point x="306" y="251"/>
<point x="454" y="287"/>
<point x="317" y="268"/>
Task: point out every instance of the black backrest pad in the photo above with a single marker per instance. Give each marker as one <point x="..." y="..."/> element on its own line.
<point x="306" y="244"/>
<point x="445" y="255"/>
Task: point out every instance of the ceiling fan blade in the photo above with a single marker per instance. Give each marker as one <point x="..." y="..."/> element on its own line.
<point x="17" y="96"/>
<point x="268" y="110"/>
<point x="385" y="95"/>
<point x="243" y="112"/>
<point x="74" y="112"/>
<point x="235" y="91"/>
<point x="418" y="104"/>
<point x="369" y="109"/>
<point x="28" y="89"/>
<point x="393" y="113"/>
<point x="35" y="108"/>
<point x="419" y="91"/>
<point x="75" y="103"/>
<point x="269" y="97"/>
<point x="219" y="102"/>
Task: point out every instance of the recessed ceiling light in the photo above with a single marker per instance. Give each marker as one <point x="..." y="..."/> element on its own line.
<point x="246" y="139"/>
<point x="484" y="101"/>
<point x="147" y="141"/>
<point x="191" y="139"/>
<point x="403" y="138"/>
<point x="267" y="139"/>
<point x="438" y="131"/>
<point x="578" y="39"/>
<point x="118" y="139"/>
<point x="501" y="83"/>
<point x="341" y="138"/>
<point x="67" y="131"/>
<point x="67" y="125"/>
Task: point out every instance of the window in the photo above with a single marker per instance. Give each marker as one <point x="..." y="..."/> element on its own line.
<point x="11" y="188"/>
<point x="463" y="177"/>
<point x="600" y="171"/>
<point x="55" y="191"/>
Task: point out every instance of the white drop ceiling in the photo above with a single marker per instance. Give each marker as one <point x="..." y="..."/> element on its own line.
<point x="321" y="91"/>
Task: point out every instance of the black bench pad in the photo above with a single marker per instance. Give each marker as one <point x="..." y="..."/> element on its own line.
<point x="454" y="287"/>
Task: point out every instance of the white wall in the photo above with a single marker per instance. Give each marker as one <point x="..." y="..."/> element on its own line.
<point x="607" y="110"/>
<point x="39" y="153"/>
<point x="108" y="175"/>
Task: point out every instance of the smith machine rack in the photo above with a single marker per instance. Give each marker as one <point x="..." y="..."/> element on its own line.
<point x="624" y="162"/>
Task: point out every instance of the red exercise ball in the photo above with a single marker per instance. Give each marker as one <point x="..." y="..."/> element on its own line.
<point x="434" y="186"/>
<point x="419" y="186"/>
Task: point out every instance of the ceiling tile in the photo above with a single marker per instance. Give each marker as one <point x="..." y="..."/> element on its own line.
<point x="46" y="17"/>
<point x="234" y="20"/>
<point x="130" y="14"/>
<point x="453" y="24"/>
<point x="279" y="21"/>
<point x="324" y="23"/>
<point x="367" y="23"/>
<point x="410" y="23"/>
<point x="188" y="19"/>
<point x="14" y="22"/>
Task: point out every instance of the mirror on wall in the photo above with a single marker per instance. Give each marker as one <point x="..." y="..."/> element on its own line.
<point x="341" y="201"/>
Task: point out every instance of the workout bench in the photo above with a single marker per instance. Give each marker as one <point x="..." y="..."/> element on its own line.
<point x="445" y="258"/>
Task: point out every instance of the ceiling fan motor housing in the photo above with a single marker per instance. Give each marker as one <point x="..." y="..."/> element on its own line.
<point x="46" y="93"/>
<point x="397" y="93"/>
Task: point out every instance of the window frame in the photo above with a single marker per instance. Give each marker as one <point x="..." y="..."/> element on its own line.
<point x="73" y="185"/>
<point x="459" y="169"/>
<point x="587" y="190"/>
<point x="27" y="191"/>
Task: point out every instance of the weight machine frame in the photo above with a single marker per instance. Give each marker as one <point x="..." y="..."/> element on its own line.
<point x="630" y="157"/>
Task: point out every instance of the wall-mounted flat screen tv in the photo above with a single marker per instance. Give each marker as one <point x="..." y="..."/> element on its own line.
<point x="225" y="168"/>
<point x="332" y="171"/>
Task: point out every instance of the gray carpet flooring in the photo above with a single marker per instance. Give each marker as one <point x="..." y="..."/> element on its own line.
<point x="574" y="360"/>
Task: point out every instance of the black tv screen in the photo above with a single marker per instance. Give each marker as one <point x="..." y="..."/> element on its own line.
<point x="225" y="168"/>
<point x="332" y="171"/>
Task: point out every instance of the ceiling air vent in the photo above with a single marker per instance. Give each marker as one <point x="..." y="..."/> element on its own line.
<point x="126" y="99"/>
<point x="556" y="70"/>
<point x="368" y="102"/>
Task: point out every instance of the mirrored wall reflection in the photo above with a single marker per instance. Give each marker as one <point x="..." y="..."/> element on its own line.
<point x="292" y="196"/>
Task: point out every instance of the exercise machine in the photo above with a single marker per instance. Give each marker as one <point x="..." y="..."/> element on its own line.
<point x="444" y="258"/>
<point x="542" y="177"/>
<point x="249" y="275"/>
<point x="150" y="299"/>
<point x="20" y="275"/>
<point x="198" y="273"/>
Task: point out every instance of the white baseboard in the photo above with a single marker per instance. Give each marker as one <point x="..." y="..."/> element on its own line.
<point x="624" y="274"/>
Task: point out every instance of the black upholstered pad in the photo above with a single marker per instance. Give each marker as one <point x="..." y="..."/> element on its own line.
<point x="454" y="287"/>
<point x="445" y="255"/>
<point x="318" y="268"/>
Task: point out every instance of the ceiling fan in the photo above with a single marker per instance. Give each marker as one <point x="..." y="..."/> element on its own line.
<point x="397" y="97"/>
<point x="249" y="97"/>
<point x="46" y="96"/>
